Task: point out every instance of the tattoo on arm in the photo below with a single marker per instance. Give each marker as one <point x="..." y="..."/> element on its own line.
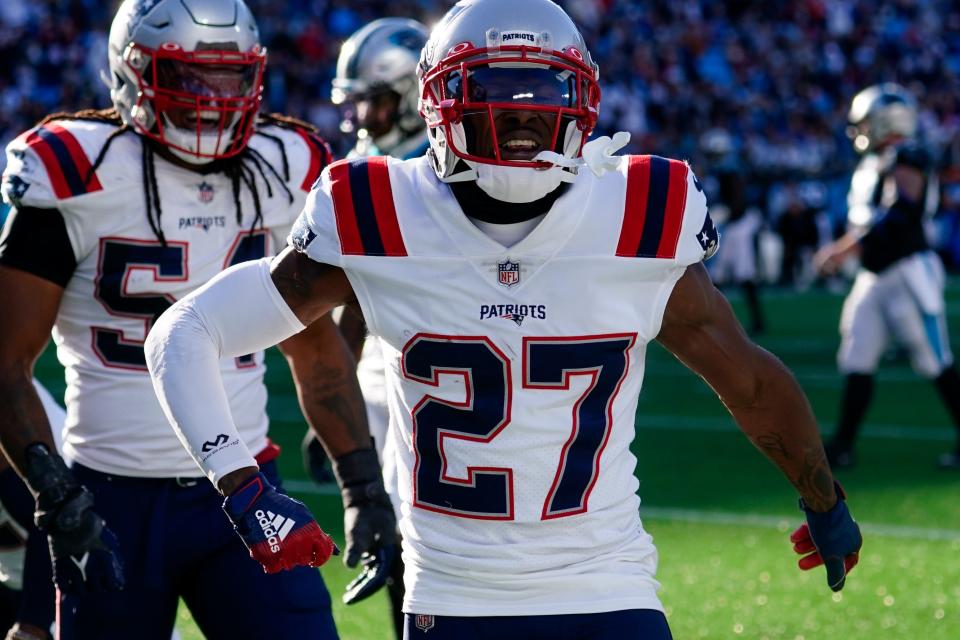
<point x="772" y="444"/>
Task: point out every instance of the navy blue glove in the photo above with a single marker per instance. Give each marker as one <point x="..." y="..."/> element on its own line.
<point x="831" y="538"/>
<point x="84" y="551"/>
<point x="369" y="522"/>
<point x="280" y="532"/>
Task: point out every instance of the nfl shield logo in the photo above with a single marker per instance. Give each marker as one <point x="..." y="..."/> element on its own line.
<point x="424" y="622"/>
<point x="206" y="192"/>
<point x="508" y="273"/>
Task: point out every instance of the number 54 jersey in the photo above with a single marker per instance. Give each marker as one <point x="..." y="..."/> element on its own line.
<point x="120" y="276"/>
<point x="513" y="375"/>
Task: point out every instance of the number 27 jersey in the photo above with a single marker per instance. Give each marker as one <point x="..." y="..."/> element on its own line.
<point x="513" y="375"/>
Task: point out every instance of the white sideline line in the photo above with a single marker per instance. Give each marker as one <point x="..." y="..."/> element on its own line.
<point x="783" y="523"/>
<point x="697" y="516"/>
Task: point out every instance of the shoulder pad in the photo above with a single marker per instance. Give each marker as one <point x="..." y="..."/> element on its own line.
<point x="53" y="162"/>
<point x="307" y="153"/>
<point x="665" y="212"/>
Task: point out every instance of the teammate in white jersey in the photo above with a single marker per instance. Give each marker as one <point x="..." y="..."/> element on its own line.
<point x="118" y="214"/>
<point x="515" y="291"/>
<point x="899" y="289"/>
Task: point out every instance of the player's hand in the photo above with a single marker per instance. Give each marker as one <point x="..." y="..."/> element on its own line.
<point x="831" y="538"/>
<point x="84" y="551"/>
<point x="368" y="521"/>
<point x="280" y="532"/>
<point x="828" y="260"/>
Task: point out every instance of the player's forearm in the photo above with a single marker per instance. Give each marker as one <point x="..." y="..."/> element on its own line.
<point x="236" y="313"/>
<point x="778" y="419"/>
<point x="331" y="399"/>
<point x="22" y="416"/>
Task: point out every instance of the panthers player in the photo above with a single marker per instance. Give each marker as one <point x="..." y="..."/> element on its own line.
<point x="118" y="214"/>
<point x="898" y="291"/>
<point x="376" y="86"/>
<point x="515" y="276"/>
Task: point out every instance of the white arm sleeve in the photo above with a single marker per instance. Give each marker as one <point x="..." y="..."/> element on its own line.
<point x="239" y="311"/>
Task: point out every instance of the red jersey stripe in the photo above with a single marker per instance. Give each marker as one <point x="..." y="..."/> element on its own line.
<point x="384" y="207"/>
<point x="80" y="160"/>
<point x="316" y="162"/>
<point x="57" y="180"/>
<point x="673" y="215"/>
<point x="347" y="228"/>
<point x="635" y="206"/>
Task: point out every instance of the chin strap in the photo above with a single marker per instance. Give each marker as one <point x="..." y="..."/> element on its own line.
<point x="598" y="154"/>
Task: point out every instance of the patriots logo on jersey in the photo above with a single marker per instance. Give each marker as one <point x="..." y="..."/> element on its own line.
<point x="709" y="238"/>
<point x="14" y="188"/>
<point x="508" y="272"/>
<point x="301" y="235"/>
<point x="514" y="312"/>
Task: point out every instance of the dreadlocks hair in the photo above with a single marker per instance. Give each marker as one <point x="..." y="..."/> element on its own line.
<point x="242" y="170"/>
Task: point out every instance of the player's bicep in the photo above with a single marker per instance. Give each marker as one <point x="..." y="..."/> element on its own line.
<point x="310" y="288"/>
<point x="701" y="330"/>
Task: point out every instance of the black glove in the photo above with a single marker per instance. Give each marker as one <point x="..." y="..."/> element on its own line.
<point x="315" y="461"/>
<point x="368" y="522"/>
<point x="84" y="551"/>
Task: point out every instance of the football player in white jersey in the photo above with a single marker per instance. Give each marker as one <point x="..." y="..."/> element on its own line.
<point x="899" y="289"/>
<point x="116" y="215"/>
<point x="515" y="277"/>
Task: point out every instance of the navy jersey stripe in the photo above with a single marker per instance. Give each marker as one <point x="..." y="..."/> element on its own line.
<point x="363" y="208"/>
<point x="656" y="207"/>
<point x="67" y="165"/>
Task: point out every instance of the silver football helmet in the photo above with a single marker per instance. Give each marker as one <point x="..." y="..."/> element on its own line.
<point x="491" y="60"/>
<point x="382" y="57"/>
<point x="881" y="114"/>
<point x="188" y="74"/>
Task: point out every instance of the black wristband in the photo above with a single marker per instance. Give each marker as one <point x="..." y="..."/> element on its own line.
<point x="357" y="467"/>
<point x="360" y="478"/>
<point x="51" y="482"/>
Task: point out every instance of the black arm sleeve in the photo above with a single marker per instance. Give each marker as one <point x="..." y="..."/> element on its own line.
<point x="35" y="240"/>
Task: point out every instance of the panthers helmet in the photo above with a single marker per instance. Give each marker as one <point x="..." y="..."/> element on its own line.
<point x="881" y="114"/>
<point x="188" y="74"/>
<point x="382" y="56"/>
<point x="492" y="56"/>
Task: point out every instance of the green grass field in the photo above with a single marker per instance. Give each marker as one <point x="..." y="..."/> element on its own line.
<point x="721" y="514"/>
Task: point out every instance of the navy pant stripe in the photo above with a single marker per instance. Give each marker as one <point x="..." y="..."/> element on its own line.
<point x="363" y="209"/>
<point x="656" y="207"/>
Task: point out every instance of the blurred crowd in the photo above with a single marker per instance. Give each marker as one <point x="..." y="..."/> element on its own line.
<point x="776" y="77"/>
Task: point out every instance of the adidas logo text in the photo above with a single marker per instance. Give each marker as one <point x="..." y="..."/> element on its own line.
<point x="276" y="528"/>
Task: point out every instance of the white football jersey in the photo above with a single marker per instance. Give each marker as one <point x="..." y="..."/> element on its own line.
<point x="126" y="277"/>
<point x="513" y="375"/>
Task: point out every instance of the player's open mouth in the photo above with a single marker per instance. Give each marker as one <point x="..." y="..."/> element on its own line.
<point x="521" y="146"/>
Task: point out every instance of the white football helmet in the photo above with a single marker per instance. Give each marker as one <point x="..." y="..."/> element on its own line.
<point x="881" y="114"/>
<point x="188" y="74"/>
<point x="490" y="58"/>
<point x="381" y="57"/>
